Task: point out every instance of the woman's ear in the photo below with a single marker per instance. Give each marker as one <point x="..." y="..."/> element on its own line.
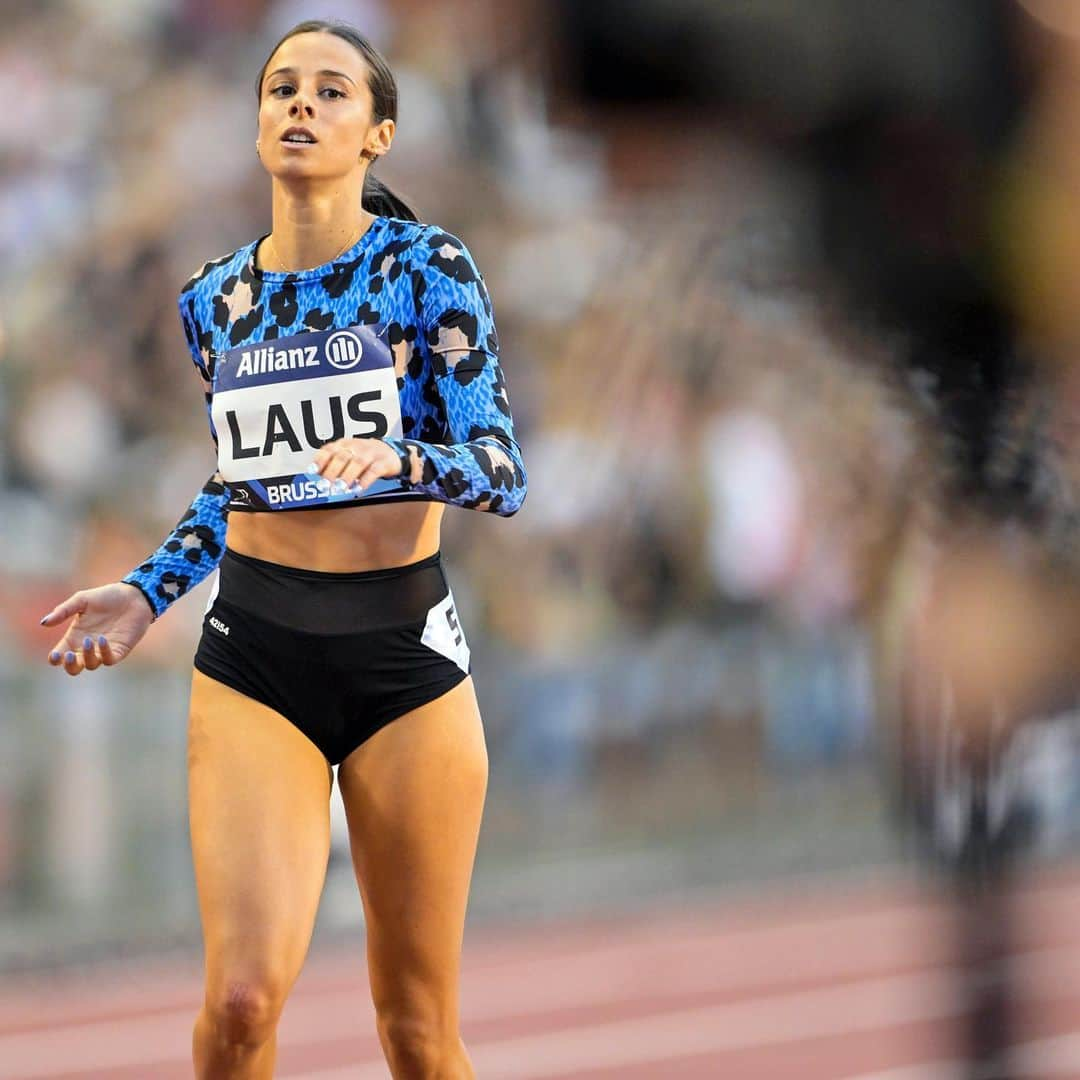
<point x="381" y="137"/>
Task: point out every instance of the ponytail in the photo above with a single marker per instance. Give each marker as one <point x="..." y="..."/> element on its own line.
<point x="379" y="199"/>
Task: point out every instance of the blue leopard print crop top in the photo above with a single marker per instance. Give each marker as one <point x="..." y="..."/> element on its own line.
<point x="395" y="339"/>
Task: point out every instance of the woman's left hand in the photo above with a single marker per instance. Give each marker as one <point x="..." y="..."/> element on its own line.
<point x="355" y="463"/>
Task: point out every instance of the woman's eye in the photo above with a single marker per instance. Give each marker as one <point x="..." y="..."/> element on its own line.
<point x="329" y="90"/>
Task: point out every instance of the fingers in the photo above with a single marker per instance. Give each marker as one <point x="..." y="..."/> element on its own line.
<point x="90" y="659"/>
<point x="355" y="463"/>
<point x="340" y="457"/>
<point x="69" y="660"/>
<point x="73" y="605"/>
<point x="329" y="460"/>
<point x="367" y="475"/>
<point x="98" y="651"/>
<point x="94" y="653"/>
<point x="106" y="652"/>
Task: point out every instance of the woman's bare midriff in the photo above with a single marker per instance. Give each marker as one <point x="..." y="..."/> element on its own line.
<point x="341" y="540"/>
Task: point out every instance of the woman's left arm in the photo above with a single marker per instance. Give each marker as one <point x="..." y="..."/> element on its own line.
<point x="480" y="468"/>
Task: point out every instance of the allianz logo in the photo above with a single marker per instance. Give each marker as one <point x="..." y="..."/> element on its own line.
<point x="342" y="349"/>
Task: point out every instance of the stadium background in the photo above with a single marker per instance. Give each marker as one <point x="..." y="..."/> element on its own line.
<point x="786" y="300"/>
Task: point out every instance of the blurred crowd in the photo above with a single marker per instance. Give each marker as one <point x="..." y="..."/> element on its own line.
<point x="738" y="475"/>
<point x="632" y="342"/>
<point x="635" y="334"/>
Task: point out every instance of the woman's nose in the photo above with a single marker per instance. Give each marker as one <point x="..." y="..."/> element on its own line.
<point x="299" y="107"/>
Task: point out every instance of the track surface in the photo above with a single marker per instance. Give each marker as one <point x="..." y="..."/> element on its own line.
<point x="811" y="983"/>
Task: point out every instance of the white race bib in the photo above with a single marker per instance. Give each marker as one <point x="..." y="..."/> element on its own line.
<point x="276" y="402"/>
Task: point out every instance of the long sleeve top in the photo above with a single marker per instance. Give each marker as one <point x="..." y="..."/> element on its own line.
<point x="395" y="339"/>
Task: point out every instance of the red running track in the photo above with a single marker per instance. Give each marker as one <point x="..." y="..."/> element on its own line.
<point x="814" y="983"/>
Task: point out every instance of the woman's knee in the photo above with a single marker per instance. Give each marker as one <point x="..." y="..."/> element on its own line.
<point x="244" y="1011"/>
<point x="419" y="1043"/>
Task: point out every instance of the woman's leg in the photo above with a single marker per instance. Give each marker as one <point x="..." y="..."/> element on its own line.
<point x="414" y="794"/>
<point x="259" y="798"/>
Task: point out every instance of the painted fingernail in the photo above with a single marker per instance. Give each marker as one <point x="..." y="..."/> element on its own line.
<point x="312" y="469"/>
<point x="340" y="485"/>
<point x="103" y="641"/>
<point x="69" y="657"/>
<point x="323" y="485"/>
<point x="357" y="486"/>
<point x="88" y="643"/>
<point x="43" y="618"/>
<point x="54" y="655"/>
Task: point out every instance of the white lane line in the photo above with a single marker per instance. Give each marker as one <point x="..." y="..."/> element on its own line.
<point x="165" y="1037"/>
<point x="624" y="972"/>
<point x="136" y="987"/>
<point x="749" y="960"/>
<point x="1051" y="1057"/>
<point x="941" y="1070"/>
<point x="331" y="1016"/>
<point x="693" y="932"/>
<point x="609" y="974"/>
<point x="1056" y="1056"/>
<point x="639" y="947"/>
<point x="761" y="1019"/>
<point x="770" y="952"/>
<point x="749" y="1025"/>
<point x="745" y="1025"/>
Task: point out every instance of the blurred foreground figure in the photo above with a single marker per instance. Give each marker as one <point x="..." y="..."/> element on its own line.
<point x="995" y="635"/>
<point x="991" y="651"/>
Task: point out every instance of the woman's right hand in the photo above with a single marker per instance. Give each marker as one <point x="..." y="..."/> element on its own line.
<point x="108" y="623"/>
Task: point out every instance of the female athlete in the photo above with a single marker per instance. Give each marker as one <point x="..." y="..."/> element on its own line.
<point x="350" y="364"/>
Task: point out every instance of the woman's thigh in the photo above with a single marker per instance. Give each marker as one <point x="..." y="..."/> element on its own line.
<point x="259" y="797"/>
<point x="414" y="795"/>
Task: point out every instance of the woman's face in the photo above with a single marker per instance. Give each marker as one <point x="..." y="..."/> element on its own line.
<point x="318" y="82"/>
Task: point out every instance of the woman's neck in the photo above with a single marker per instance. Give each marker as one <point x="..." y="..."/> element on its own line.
<point x="310" y="230"/>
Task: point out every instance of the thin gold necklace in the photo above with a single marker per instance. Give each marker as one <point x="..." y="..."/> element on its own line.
<point x="277" y="258"/>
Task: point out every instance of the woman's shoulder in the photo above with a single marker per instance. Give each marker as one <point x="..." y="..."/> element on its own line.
<point x="423" y="236"/>
<point x="441" y="258"/>
<point x="214" y="271"/>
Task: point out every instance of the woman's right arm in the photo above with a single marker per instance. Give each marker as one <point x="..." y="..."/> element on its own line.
<point x="109" y="621"/>
<point x="189" y="553"/>
<point x="195" y="546"/>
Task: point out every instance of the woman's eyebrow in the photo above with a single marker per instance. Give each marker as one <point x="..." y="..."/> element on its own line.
<point x="325" y="71"/>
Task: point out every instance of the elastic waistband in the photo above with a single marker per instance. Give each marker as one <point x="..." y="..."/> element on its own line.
<point x="323" y="602"/>
<point x="303" y="574"/>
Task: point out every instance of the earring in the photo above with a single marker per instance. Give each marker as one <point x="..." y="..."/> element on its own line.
<point x="257" y="148"/>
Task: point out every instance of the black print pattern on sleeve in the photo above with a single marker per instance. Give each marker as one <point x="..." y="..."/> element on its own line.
<point x="189" y="553"/>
